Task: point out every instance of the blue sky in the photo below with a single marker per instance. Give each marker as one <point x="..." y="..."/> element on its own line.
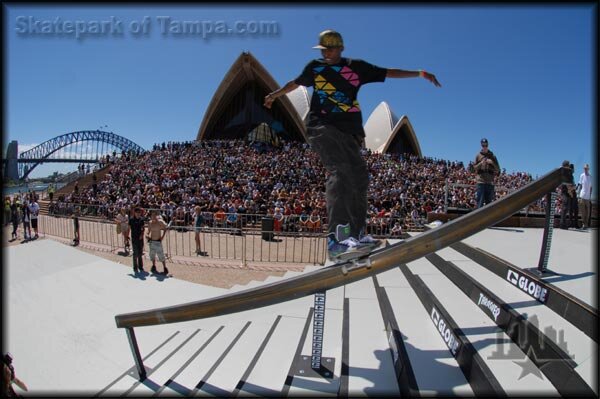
<point x="521" y="76"/>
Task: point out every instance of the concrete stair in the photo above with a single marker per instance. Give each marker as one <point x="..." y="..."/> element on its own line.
<point x="259" y="353"/>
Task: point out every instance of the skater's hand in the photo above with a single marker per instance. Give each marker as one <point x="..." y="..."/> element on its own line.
<point x="431" y="77"/>
<point x="269" y="100"/>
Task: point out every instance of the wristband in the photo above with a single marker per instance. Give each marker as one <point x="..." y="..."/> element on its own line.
<point x="421" y="73"/>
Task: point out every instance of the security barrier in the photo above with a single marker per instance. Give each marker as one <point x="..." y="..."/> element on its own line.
<point x="243" y="245"/>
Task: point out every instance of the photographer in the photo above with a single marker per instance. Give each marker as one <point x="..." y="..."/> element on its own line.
<point x="9" y="377"/>
<point x="487" y="168"/>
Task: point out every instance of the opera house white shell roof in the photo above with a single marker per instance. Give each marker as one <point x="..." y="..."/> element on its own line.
<point x="300" y="100"/>
<point x="384" y="128"/>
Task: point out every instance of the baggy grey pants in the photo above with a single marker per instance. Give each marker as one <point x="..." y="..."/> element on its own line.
<point x="346" y="187"/>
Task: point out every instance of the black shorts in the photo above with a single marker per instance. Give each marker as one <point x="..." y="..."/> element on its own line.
<point x="34" y="223"/>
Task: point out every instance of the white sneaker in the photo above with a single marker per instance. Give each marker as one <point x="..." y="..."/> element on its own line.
<point x="351" y="242"/>
<point x="369" y="240"/>
<point x="348" y="249"/>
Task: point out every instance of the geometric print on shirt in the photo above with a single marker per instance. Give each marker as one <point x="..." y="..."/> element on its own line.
<point x="331" y="98"/>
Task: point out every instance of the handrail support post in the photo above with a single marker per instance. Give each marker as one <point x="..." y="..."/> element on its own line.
<point x="542" y="268"/>
<point x="137" y="357"/>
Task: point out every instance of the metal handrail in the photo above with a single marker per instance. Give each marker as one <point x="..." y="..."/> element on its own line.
<point x="338" y="275"/>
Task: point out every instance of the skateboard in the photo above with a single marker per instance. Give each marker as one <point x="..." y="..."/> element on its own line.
<point x="359" y="257"/>
<point x="362" y="259"/>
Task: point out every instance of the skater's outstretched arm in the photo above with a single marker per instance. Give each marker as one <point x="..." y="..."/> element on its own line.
<point x="289" y="86"/>
<point x="400" y="73"/>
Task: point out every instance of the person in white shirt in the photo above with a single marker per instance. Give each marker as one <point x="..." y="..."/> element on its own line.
<point x="585" y="196"/>
<point x="34" y="209"/>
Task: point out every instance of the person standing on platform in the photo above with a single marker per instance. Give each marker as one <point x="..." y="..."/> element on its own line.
<point x="585" y="196"/>
<point x="198" y="221"/>
<point x="26" y="218"/>
<point x="14" y="217"/>
<point x="486" y="167"/>
<point x="564" y="206"/>
<point x="122" y="222"/>
<point x="6" y="211"/>
<point x="136" y="224"/>
<point x="335" y="132"/>
<point x="75" y="217"/>
<point x="573" y="207"/>
<point x="34" y="209"/>
<point x="51" y="190"/>
<point x="157" y="228"/>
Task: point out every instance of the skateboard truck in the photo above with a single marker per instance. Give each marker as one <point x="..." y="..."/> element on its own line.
<point x="356" y="263"/>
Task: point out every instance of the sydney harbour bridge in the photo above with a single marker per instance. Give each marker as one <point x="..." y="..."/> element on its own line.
<point x="86" y="146"/>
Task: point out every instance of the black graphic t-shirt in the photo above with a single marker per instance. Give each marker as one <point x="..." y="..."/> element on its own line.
<point x="334" y="98"/>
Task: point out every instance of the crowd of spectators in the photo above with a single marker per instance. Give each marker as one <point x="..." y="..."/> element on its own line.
<point x="236" y="184"/>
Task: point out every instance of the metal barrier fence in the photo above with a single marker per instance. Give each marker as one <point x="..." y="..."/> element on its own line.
<point x="233" y="244"/>
<point x="288" y="225"/>
<point x="500" y="191"/>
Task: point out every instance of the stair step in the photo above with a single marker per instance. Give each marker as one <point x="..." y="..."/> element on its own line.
<point x="332" y="348"/>
<point x="572" y="340"/>
<point x="489" y="340"/>
<point x="288" y="274"/>
<point x="229" y="372"/>
<point x="268" y="280"/>
<point x="161" y="371"/>
<point x="163" y="350"/>
<point x="392" y="278"/>
<point x="311" y="268"/>
<point x="435" y="369"/>
<point x="370" y="367"/>
<point x="167" y="376"/>
<point x="268" y="375"/>
<point x="201" y="358"/>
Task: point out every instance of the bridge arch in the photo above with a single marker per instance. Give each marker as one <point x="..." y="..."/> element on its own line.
<point x="29" y="160"/>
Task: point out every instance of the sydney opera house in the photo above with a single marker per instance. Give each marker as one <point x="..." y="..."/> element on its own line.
<point x="236" y="111"/>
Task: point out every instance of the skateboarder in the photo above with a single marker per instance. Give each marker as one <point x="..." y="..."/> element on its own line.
<point x="335" y="132"/>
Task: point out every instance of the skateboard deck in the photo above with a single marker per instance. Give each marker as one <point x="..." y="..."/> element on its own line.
<point x="352" y="254"/>
<point x="359" y="257"/>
